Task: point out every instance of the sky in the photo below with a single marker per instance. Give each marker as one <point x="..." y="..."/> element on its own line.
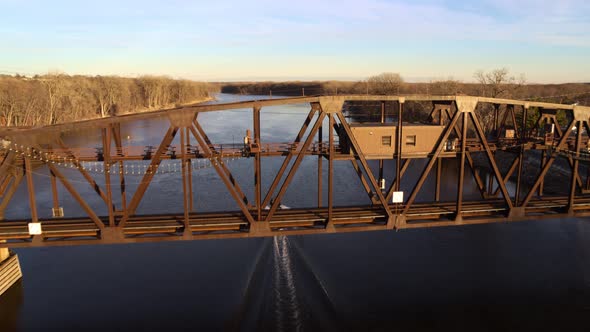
<point x="218" y="40"/>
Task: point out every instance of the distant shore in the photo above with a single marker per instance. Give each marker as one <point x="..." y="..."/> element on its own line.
<point x="565" y="93"/>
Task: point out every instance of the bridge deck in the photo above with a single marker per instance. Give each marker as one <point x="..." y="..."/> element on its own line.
<point x="285" y="222"/>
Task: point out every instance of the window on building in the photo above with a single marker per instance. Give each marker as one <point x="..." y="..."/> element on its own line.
<point x="411" y="140"/>
<point x="386" y="140"/>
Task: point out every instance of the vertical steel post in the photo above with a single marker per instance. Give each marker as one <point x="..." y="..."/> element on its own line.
<point x="575" y="168"/>
<point x="398" y="163"/>
<point x="439" y="161"/>
<point x="119" y="145"/>
<point x="320" y="157"/>
<point x="543" y="162"/>
<point x="381" y="160"/>
<point x="330" y="169"/>
<point x="183" y="136"/>
<point x="189" y="172"/>
<point x="54" y="191"/>
<point x="521" y="155"/>
<point x="461" y="166"/>
<point x="496" y="117"/>
<point x="257" y="163"/>
<point x="31" y="189"/>
<point x="438" y="179"/>
<point x="106" y="151"/>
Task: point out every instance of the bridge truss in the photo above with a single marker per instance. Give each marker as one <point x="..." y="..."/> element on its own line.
<point x="463" y="138"/>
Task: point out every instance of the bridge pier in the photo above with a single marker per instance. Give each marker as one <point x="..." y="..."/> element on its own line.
<point x="10" y="271"/>
<point x="3" y="254"/>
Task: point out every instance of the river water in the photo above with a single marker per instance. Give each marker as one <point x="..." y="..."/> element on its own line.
<point x="520" y="276"/>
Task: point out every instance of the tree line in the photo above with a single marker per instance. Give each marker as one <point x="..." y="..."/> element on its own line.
<point x="56" y="98"/>
<point x="496" y="83"/>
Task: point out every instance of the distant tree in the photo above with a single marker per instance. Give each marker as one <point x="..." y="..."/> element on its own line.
<point x="498" y="82"/>
<point x="385" y="84"/>
<point x="444" y="87"/>
<point x="55" y="86"/>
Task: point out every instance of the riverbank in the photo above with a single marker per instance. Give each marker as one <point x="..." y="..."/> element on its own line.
<point x="60" y="98"/>
<point x="194" y="102"/>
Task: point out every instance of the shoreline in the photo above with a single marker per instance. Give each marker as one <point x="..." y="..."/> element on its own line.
<point x="147" y="110"/>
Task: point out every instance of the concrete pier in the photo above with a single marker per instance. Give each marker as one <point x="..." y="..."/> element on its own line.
<point x="10" y="271"/>
<point x="4" y="254"/>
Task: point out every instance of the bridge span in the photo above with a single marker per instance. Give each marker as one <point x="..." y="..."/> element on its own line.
<point x="489" y="139"/>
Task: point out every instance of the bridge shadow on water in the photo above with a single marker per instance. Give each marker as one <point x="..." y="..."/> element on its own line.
<point x="522" y="276"/>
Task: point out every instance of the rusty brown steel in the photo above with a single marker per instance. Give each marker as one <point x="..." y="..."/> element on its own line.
<point x="320" y="157"/>
<point x="433" y="159"/>
<point x="224" y="168"/>
<point x="77" y="196"/>
<point x="148" y="176"/>
<point x="116" y="129"/>
<point x="361" y="157"/>
<point x="288" y="158"/>
<point x="223" y="175"/>
<point x="381" y="160"/>
<point x="137" y="228"/>
<point x="364" y="182"/>
<point x="31" y="189"/>
<point x="398" y="159"/>
<point x="54" y="192"/>
<point x="10" y="193"/>
<point x="511" y="170"/>
<point x="85" y="174"/>
<point x="185" y="198"/>
<point x="572" y="195"/>
<point x="330" y="170"/>
<point x="459" y="201"/>
<point x="547" y="165"/>
<point x="294" y="167"/>
<point x="438" y="179"/>
<point x="478" y="180"/>
<point x="521" y="156"/>
<point x="257" y="163"/>
<point x="189" y="166"/>
<point x="491" y="159"/>
<point x="106" y="149"/>
<point x="394" y="185"/>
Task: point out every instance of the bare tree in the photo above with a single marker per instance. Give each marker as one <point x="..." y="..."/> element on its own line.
<point x="57" y="97"/>
<point x="444" y="87"/>
<point x="498" y="82"/>
<point x="385" y="84"/>
<point x="54" y="84"/>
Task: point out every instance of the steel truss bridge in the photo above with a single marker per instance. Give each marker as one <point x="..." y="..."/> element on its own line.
<point x="463" y="138"/>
